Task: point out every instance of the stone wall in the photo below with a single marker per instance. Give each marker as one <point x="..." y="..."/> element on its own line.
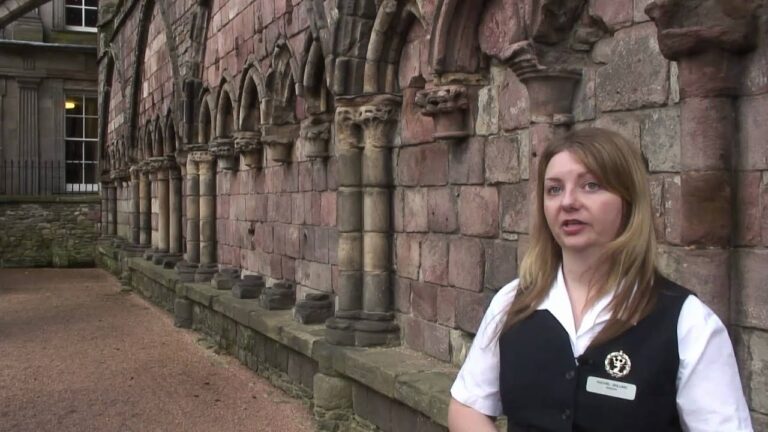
<point x="48" y="231"/>
<point x="381" y="151"/>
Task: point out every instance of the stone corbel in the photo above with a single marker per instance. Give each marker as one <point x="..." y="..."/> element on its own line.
<point x="550" y="89"/>
<point x="248" y="144"/>
<point x="315" y="134"/>
<point x="447" y="105"/>
<point x="200" y="156"/>
<point x="280" y="139"/>
<point x="223" y="148"/>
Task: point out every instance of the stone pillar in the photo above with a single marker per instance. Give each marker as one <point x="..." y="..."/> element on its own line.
<point x="207" y="176"/>
<point x="104" y="210"/>
<point x="153" y="208"/>
<point x="145" y="209"/>
<point x="112" y="209"/>
<point x="363" y="314"/>
<point x="163" y="210"/>
<point x="135" y="207"/>
<point x="193" y="212"/>
<point x="29" y="132"/>
<point x="174" y="228"/>
<point x="709" y="50"/>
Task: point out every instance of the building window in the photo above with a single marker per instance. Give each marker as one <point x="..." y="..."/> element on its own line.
<point x="81" y="140"/>
<point x="81" y="14"/>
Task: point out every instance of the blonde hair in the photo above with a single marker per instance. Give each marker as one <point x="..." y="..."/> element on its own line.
<point x="619" y="167"/>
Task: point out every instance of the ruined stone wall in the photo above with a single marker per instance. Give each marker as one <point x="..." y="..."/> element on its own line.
<point x="124" y="210"/>
<point x="480" y="87"/>
<point x="48" y="231"/>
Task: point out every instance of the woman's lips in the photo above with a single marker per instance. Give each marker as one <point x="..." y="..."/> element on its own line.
<point x="572" y="226"/>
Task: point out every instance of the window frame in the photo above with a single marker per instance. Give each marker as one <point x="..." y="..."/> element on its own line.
<point x="82" y="186"/>
<point x="82" y="7"/>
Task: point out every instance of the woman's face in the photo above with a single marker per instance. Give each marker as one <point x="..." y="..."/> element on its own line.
<point x="581" y="214"/>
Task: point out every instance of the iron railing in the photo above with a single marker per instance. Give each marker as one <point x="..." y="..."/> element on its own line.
<point x="47" y="177"/>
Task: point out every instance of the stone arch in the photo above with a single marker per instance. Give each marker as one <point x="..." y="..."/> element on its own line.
<point x="454" y="36"/>
<point x="205" y="120"/>
<point x="281" y="85"/>
<point x="145" y="20"/>
<point x="317" y="96"/>
<point x="252" y="90"/>
<point x="390" y="29"/>
<point x="170" y="134"/>
<point x="158" y="147"/>
<point x="147" y="142"/>
<point x="226" y="112"/>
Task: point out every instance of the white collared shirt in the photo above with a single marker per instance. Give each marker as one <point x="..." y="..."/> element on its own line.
<point x="709" y="394"/>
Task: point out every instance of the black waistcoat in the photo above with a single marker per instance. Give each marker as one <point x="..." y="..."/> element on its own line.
<point x="544" y="389"/>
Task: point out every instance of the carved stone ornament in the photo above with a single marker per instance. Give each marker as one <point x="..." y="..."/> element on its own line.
<point x="550" y="89"/>
<point x="686" y="28"/>
<point x="280" y="139"/>
<point x="248" y="144"/>
<point x="447" y="105"/>
<point x="223" y="148"/>
<point x="315" y="134"/>
<point x="200" y="156"/>
<point x="375" y="119"/>
<point x="120" y="174"/>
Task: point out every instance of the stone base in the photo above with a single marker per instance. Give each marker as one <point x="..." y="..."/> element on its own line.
<point x="170" y="261"/>
<point x="186" y="271"/>
<point x="159" y="257"/>
<point x="205" y="272"/>
<point x="149" y="254"/>
<point x="225" y="279"/>
<point x="361" y="333"/>
<point x="314" y="309"/>
<point x="249" y="287"/>
<point x="281" y="295"/>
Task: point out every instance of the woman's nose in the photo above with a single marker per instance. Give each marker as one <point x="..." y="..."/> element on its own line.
<point x="570" y="198"/>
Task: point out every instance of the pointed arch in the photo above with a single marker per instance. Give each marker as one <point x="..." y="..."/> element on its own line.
<point x="226" y="112"/>
<point x="390" y="29"/>
<point x="252" y="90"/>
<point x="281" y="84"/>
<point x="158" y="148"/>
<point x="317" y="96"/>
<point x="205" y="120"/>
<point x="170" y="134"/>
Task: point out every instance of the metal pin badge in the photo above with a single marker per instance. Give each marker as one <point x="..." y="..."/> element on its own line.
<point x="617" y="364"/>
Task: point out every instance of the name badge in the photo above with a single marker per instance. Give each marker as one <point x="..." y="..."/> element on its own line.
<point x="607" y="387"/>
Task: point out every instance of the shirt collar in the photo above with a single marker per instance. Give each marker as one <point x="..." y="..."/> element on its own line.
<point x="558" y="303"/>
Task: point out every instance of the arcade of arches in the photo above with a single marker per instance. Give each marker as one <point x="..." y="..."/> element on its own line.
<point x="367" y="164"/>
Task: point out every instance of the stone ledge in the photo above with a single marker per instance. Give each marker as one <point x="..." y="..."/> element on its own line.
<point x="47" y="199"/>
<point x="406" y="376"/>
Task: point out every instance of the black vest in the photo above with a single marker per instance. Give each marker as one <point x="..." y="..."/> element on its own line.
<point x="544" y="389"/>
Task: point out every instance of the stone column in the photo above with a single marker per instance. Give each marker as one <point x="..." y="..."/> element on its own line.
<point x="29" y="132"/>
<point x="104" y="210"/>
<point x="153" y="208"/>
<point x="207" y="176"/>
<point x="174" y="228"/>
<point x="135" y="207"/>
<point x="186" y="268"/>
<point x="163" y="210"/>
<point x="145" y="209"/>
<point x="112" y="210"/>
<point x="708" y="49"/>
<point x="364" y="135"/>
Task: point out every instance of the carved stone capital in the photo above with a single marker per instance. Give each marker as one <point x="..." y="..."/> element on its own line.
<point x="314" y="134"/>
<point x="280" y="139"/>
<point x="447" y="105"/>
<point x="346" y="136"/>
<point x="223" y="149"/>
<point x="687" y="27"/>
<point x="201" y="157"/>
<point x="249" y="145"/>
<point x="376" y="120"/>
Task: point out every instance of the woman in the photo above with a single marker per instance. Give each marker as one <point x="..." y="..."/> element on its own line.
<point x="591" y="337"/>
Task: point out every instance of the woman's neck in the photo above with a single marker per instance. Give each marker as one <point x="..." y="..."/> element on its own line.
<point x="578" y="273"/>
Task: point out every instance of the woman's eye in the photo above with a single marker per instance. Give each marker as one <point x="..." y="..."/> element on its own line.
<point x="592" y="186"/>
<point x="553" y="190"/>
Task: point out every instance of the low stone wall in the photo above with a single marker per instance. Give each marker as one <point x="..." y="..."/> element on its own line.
<point x="350" y="389"/>
<point x="48" y="231"/>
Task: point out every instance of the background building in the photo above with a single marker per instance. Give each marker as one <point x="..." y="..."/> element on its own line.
<point x="380" y="152"/>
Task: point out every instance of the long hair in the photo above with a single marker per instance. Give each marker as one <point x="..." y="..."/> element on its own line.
<point x="630" y="258"/>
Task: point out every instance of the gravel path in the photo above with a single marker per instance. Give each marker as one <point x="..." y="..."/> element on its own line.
<point x="78" y="355"/>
